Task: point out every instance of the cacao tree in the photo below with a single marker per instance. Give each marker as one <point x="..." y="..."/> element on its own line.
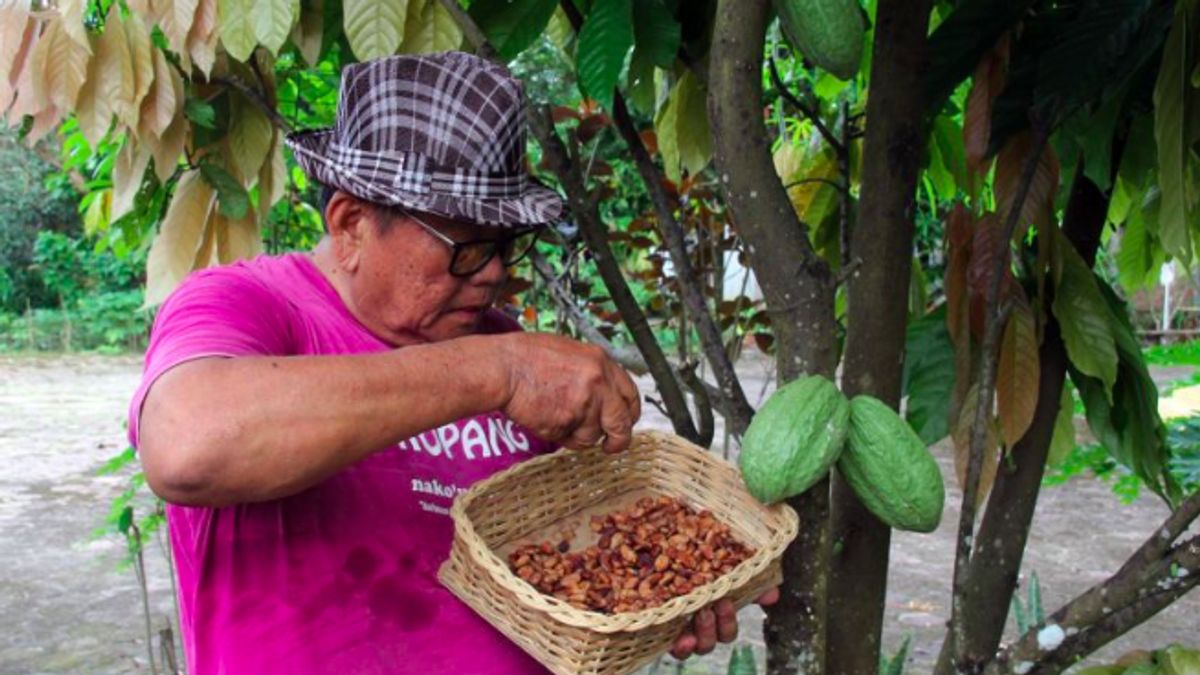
<point x="921" y="190"/>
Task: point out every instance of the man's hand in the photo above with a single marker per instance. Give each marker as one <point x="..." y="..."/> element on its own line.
<point x="568" y="392"/>
<point x="714" y="624"/>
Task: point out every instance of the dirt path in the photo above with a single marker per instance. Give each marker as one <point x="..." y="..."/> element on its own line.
<point x="67" y="607"/>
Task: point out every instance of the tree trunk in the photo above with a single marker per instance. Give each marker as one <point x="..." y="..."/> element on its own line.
<point x="1001" y="539"/>
<point x="798" y="288"/>
<point x="877" y="305"/>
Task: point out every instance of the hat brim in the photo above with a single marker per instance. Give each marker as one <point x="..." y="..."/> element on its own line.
<point x="535" y="205"/>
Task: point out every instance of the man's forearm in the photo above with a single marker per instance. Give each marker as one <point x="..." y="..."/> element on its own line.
<point x="226" y="430"/>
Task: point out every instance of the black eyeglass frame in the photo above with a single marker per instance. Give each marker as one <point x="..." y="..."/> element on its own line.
<point x="495" y="246"/>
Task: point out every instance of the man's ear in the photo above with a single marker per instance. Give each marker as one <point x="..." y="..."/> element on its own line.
<point x="348" y="219"/>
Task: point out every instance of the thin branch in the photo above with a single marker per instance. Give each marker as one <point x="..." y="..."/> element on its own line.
<point x="704" y="408"/>
<point x="810" y="112"/>
<point x="983" y="405"/>
<point x="257" y="98"/>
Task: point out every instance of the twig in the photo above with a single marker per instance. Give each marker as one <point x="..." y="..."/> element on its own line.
<point x="257" y="98"/>
<point x="687" y="373"/>
<point x="983" y="405"/>
<point x="847" y="271"/>
<point x="811" y="113"/>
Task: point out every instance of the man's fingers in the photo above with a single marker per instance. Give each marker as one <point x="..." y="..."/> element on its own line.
<point x="684" y="646"/>
<point x="617" y="425"/>
<point x="706" y="631"/>
<point x="727" y="625"/>
<point x="769" y="598"/>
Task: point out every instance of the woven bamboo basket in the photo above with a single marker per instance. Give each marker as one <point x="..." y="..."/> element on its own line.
<point x="547" y="493"/>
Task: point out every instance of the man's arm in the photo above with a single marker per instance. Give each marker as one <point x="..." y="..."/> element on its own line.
<point x="219" y="431"/>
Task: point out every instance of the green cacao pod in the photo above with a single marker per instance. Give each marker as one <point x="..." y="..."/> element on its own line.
<point x="830" y="33"/>
<point x="794" y="439"/>
<point x="890" y="469"/>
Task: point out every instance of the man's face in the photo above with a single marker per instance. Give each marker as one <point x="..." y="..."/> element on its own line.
<point x="403" y="287"/>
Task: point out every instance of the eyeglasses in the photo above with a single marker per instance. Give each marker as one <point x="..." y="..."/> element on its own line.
<point x="468" y="257"/>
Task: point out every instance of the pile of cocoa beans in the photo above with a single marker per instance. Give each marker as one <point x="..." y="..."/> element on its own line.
<point x="646" y="554"/>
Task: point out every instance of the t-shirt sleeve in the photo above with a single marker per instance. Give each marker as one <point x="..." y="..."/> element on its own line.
<point x="220" y="312"/>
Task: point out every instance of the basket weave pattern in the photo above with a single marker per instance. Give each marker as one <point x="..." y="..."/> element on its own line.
<point x="535" y="495"/>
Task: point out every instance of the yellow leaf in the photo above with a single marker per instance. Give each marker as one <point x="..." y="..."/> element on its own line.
<point x="249" y="139"/>
<point x="206" y="254"/>
<point x="118" y="81"/>
<point x="273" y="21"/>
<point x="176" y="22"/>
<point x="141" y="57"/>
<point x="237" y="239"/>
<point x="62" y="66"/>
<point x="179" y="237"/>
<point x="159" y="106"/>
<point x="93" y="109"/>
<point x="236" y="28"/>
<point x="166" y="154"/>
<point x="272" y="179"/>
<point x="202" y="39"/>
<point x="18" y="31"/>
<point x="72" y="20"/>
<point x="307" y="33"/>
<point x="95" y="219"/>
<point x="127" y="172"/>
<point x="429" y="28"/>
<point x="1017" y="375"/>
<point x="375" y="28"/>
<point x="962" y="432"/>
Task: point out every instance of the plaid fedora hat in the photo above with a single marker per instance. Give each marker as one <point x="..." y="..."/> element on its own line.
<point x="439" y="133"/>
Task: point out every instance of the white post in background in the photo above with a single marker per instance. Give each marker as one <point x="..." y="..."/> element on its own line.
<point x="1166" y="277"/>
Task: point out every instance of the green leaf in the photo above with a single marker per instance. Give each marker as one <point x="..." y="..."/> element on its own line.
<point x="273" y="21"/>
<point x="374" y="28"/>
<point x="125" y="520"/>
<point x="1139" y="158"/>
<point x="895" y="666"/>
<point x="928" y="379"/>
<point x="1083" y="318"/>
<point x="236" y="27"/>
<point x="1171" y="134"/>
<point x="741" y="661"/>
<point x="1177" y="660"/>
<point x="1036" y="612"/>
<point x="200" y="112"/>
<point x="656" y="32"/>
<point x="113" y="465"/>
<point x="512" y="25"/>
<point x="682" y="129"/>
<point x="639" y="82"/>
<point x="1063" y="439"/>
<point x="232" y="198"/>
<point x="962" y="39"/>
<point x="604" y="39"/>
<point x="1139" y="257"/>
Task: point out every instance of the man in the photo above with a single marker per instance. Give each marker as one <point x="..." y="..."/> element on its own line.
<point x="310" y="417"/>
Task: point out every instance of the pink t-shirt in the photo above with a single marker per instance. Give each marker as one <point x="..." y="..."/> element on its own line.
<point x="340" y="578"/>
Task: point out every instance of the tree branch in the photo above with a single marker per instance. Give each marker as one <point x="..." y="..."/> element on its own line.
<point x="257" y="98"/>
<point x="813" y="114"/>
<point x="983" y="405"/>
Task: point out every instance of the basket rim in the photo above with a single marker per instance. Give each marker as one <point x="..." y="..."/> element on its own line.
<point x="782" y="533"/>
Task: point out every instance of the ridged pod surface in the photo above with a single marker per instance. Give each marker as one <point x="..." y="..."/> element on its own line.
<point x="794" y="438"/>
<point x="830" y="33"/>
<point x="890" y="469"/>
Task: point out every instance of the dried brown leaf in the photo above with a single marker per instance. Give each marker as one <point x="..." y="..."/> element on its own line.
<point x="59" y="67"/>
<point x="961" y="434"/>
<point x="160" y="105"/>
<point x="1038" y="207"/>
<point x="307" y="32"/>
<point x="201" y="41"/>
<point x="180" y="236"/>
<point x="18" y="32"/>
<point x="127" y="173"/>
<point x="1017" y="374"/>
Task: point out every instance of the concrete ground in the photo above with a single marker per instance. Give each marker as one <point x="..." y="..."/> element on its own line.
<point x="68" y="606"/>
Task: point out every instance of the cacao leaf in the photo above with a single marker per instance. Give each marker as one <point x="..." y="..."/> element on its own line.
<point x="72" y="23"/>
<point x="176" y="22"/>
<point x="29" y="99"/>
<point x="656" y="32"/>
<point x="63" y="65"/>
<point x="988" y="248"/>
<point x="249" y="137"/>
<point x="127" y="173"/>
<point x="682" y="130"/>
<point x="202" y="38"/>
<point x="272" y="179"/>
<point x="959" y="236"/>
<point x="167" y="152"/>
<point x="118" y="81"/>
<point x="17" y="35"/>
<point x="375" y="28"/>
<point x="1017" y="375"/>
<point x="273" y="21"/>
<point x="928" y="379"/>
<point x="180" y="235"/>
<point x="1063" y="439"/>
<point x="963" y="38"/>
<point x="206" y="253"/>
<point x="1139" y="257"/>
<point x="237" y="238"/>
<point x="160" y="105"/>
<point x="512" y="25"/>
<point x="962" y="446"/>
<point x="141" y="60"/>
<point x="430" y="28"/>
<point x="232" y="200"/>
<point x="639" y="82"/>
<point x="1173" y="107"/>
<point x="307" y="34"/>
<point x="986" y="85"/>
<point x="93" y="110"/>
<point x="44" y="121"/>
<point x="1084" y="318"/>
<point x="604" y="39"/>
<point x="236" y="28"/>
<point x="1038" y="207"/>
